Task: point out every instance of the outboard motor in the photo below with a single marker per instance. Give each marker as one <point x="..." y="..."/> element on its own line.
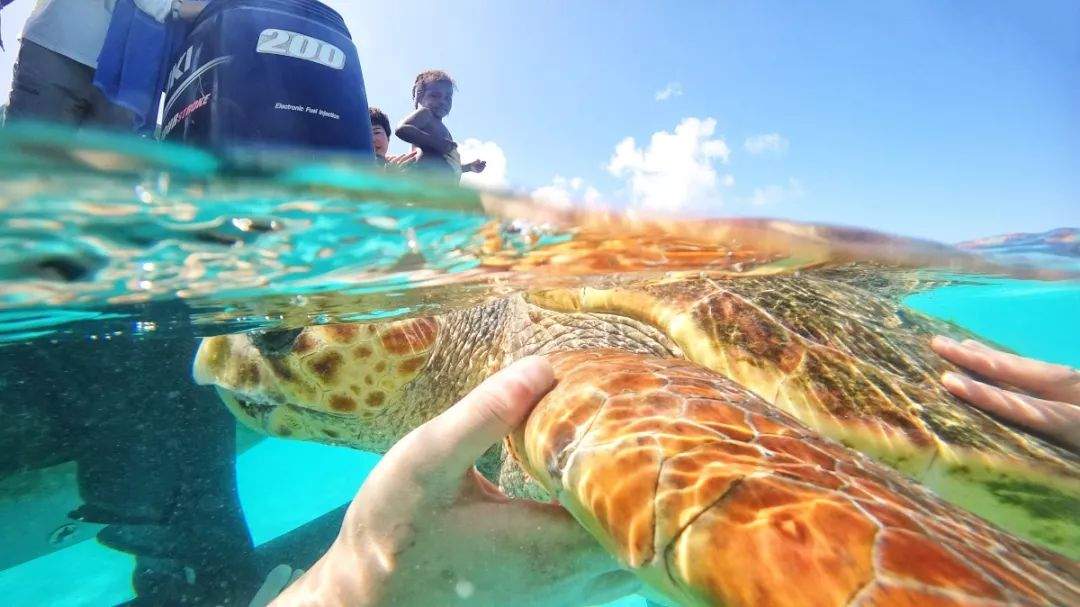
<point x="268" y="76"/>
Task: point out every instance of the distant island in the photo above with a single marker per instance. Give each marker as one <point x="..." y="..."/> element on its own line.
<point x="1064" y="242"/>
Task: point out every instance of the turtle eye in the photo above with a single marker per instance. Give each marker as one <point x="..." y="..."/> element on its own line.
<point x="275" y="344"/>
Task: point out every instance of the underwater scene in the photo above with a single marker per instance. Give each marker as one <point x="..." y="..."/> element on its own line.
<point x="202" y="363"/>
<point x="325" y="303"/>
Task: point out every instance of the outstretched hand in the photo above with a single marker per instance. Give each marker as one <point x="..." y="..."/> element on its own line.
<point x="476" y="166"/>
<point x="427" y="529"/>
<point x="1046" y="399"/>
<point x="401" y="161"/>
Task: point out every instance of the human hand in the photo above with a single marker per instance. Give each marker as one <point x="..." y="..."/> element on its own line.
<point x="401" y="161"/>
<point x="189" y="9"/>
<point x="476" y="166"/>
<point x="427" y="529"/>
<point x="1048" y="400"/>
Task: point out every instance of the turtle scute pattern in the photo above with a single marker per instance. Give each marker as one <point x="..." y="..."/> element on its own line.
<point x="858" y="369"/>
<point x="715" y="497"/>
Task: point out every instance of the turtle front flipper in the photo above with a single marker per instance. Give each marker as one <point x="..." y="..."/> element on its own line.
<point x="714" y="497"/>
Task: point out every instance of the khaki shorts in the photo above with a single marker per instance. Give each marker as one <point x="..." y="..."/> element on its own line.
<point x="51" y="87"/>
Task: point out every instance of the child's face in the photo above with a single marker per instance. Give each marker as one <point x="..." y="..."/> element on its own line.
<point x="437" y="97"/>
<point x="379" y="140"/>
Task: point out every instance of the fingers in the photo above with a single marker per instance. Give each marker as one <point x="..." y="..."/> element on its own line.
<point x="276" y="581"/>
<point x="1056" y="420"/>
<point x="402" y="158"/>
<point x="453" y="441"/>
<point x="1046" y="380"/>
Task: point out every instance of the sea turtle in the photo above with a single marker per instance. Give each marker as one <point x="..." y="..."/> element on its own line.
<point x="730" y="437"/>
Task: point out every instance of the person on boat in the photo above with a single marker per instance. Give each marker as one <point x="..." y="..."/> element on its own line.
<point x="380" y="133"/>
<point x="160" y="478"/>
<point x="61" y="42"/>
<point x="433" y="97"/>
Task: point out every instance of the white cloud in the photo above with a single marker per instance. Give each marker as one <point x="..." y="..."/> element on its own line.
<point x="494" y="175"/>
<point x="676" y="169"/>
<point x="728" y="181"/>
<point x="673" y="89"/>
<point x="563" y="192"/>
<point x="773" y="194"/>
<point x="769" y="143"/>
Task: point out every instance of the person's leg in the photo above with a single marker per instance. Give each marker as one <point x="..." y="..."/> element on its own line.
<point x="51" y="87"/>
<point x="30" y="435"/>
<point x="158" y="467"/>
<point x="47" y="86"/>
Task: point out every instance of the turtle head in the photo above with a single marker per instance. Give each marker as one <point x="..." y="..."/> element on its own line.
<point x="342" y="383"/>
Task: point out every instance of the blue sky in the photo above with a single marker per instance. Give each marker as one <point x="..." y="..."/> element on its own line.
<point x="946" y="120"/>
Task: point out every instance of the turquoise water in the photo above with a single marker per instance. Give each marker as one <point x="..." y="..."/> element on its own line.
<point x="100" y="238"/>
<point x="1038" y="320"/>
<point x="284" y="484"/>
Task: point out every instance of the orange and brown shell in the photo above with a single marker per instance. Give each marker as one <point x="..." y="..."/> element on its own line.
<point x="856" y="368"/>
<point x="714" y="497"/>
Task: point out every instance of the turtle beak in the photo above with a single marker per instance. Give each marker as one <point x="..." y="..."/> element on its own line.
<point x="210" y="359"/>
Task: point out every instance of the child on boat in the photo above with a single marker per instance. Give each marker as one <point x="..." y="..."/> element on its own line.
<point x="380" y="133"/>
<point x="433" y="94"/>
<point x="380" y="141"/>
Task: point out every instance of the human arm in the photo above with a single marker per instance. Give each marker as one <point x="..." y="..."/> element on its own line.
<point x="1047" y="396"/>
<point x="427" y="529"/>
<point x="189" y="9"/>
<point x="416" y="129"/>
